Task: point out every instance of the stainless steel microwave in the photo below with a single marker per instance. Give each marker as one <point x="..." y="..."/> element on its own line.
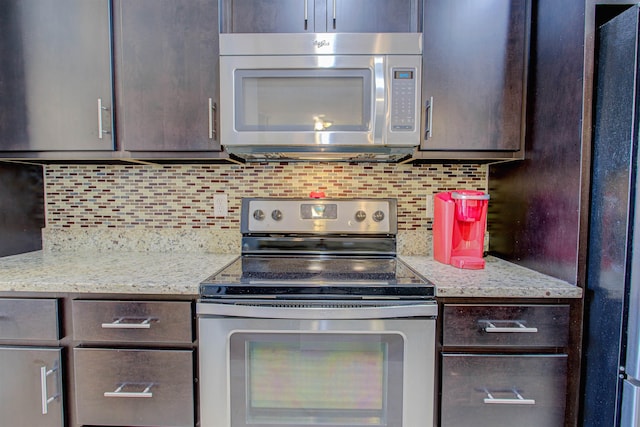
<point x="320" y="95"/>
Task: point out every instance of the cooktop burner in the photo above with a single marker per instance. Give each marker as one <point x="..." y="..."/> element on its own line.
<point x="346" y="277"/>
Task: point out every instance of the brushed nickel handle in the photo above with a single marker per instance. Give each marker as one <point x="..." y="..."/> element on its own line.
<point x="213" y="122"/>
<point x="306" y="14"/>
<point x="493" y="326"/>
<point x="101" y="108"/>
<point x="125" y="323"/>
<point x="428" y="127"/>
<point x="146" y="393"/>
<point x="334" y="14"/>
<point x="518" y="400"/>
<point x="46" y="400"/>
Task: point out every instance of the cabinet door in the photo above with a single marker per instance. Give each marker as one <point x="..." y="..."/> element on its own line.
<point x="167" y="68"/>
<point x="474" y="73"/>
<point x="31" y="388"/>
<point x="55" y="75"/>
<point x="268" y="16"/>
<point x="372" y="16"/>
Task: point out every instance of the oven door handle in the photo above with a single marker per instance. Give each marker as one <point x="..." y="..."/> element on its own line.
<point x="331" y="311"/>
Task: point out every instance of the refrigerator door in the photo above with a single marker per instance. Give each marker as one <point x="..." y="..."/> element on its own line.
<point x="630" y="404"/>
<point x="609" y="280"/>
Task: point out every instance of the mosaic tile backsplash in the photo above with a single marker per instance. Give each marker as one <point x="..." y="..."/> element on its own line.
<point x="170" y="207"/>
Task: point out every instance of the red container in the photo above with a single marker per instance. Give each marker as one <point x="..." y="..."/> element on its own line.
<point x="459" y="224"/>
<point x="443" y="214"/>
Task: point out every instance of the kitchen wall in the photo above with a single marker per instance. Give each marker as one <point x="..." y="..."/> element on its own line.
<point x="170" y="207"/>
<point x="21" y="208"/>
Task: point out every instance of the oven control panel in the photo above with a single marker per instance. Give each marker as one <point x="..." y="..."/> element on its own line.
<point x="319" y="216"/>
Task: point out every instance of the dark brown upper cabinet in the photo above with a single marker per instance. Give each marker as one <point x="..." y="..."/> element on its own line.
<point x="474" y="78"/>
<point x="320" y="16"/>
<point x="166" y="65"/>
<point x="55" y="76"/>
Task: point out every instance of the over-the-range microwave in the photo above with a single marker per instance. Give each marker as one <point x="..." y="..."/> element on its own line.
<point x="320" y="96"/>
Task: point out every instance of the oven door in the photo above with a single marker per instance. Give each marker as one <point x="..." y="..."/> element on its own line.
<point x="282" y="369"/>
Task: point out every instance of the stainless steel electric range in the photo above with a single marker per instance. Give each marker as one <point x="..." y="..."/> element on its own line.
<point x="318" y="322"/>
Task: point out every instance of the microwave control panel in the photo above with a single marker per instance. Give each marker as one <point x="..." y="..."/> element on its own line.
<point x="403" y="96"/>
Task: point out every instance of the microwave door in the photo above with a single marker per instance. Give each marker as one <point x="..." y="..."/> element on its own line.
<point x="302" y="100"/>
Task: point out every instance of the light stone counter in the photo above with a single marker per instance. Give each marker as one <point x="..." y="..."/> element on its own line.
<point x="109" y="272"/>
<point x="499" y="279"/>
<point x="180" y="274"/>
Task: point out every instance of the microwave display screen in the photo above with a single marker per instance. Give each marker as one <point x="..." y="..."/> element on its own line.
<point x="403" y="75"/>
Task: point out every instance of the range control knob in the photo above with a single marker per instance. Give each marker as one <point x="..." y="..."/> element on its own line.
<point x="258" y="214"/>
<point x="276" y="215"/>
<point x="378" y="216"/>
<point x="361" y="216"/>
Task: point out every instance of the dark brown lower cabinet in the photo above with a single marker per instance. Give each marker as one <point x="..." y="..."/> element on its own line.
<point x="487" y="390"/>
<point x="505" y="363"/>
<point x="133" y="363"/>
<point x="31" y="387"/>
<point x="134" y="387"/>
<point x="31" y="368"/>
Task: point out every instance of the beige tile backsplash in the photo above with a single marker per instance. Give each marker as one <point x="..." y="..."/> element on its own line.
<point x="170" y="207"/>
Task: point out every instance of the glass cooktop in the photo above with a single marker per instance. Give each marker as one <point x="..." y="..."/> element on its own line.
<point x="309" y="276"/>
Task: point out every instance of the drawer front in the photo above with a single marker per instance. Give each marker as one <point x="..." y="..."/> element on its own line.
<point x="29" y="319"/>
<point x="500" y="390"/>
<point x="132" y="321"/>
<point x="506" y="325"/>
<point x="134" y="387"/>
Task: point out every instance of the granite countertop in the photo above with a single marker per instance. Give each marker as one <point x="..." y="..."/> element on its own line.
<point x="499" y="279"/>
<point x="181" y="273"/>
<point x="109" y="272"/>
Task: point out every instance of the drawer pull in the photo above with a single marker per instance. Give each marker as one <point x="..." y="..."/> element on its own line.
<point x="518" y="400"/>
<point x="499" y="326"/>
<point x="126" y="323"/>
<point x="118" y="392"/>
<point x="44" y="373"/>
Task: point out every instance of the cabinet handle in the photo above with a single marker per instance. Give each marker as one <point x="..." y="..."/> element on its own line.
<point x="334" y="14"/>
<point x="44" y="373"/>
<point x="213" y="122"/>
<point x="101" y="108"/>
<point x="428" y="112"/>
<point x="306" y="14"/>
<point x="490" y="327"/>
<point x="119" y="323"/>
<point x="146" y="393"/>
<point x="518" y="400"/>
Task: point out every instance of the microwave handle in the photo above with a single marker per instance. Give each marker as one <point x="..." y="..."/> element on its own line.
<point x="379" y="79"/>
<point x="428" y="125"/>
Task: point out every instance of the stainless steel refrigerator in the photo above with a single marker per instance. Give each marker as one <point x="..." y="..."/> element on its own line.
<point x="611" y="366"/>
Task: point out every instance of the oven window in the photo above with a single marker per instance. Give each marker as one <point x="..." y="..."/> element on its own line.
<point x="302" y="379"/>
<point x="303" y="100"/>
